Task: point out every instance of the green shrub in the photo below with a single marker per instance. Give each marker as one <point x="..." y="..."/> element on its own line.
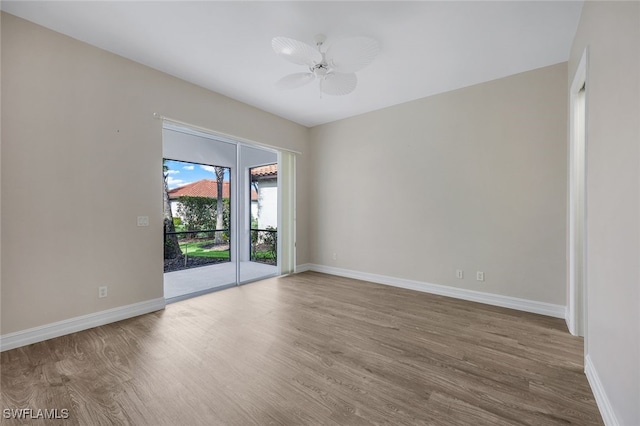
<point x="197" y="212"/>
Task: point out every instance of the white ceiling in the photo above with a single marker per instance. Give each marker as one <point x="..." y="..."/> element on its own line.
<point x="427" y="47"/>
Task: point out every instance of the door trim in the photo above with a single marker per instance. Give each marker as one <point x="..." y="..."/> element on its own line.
<point x="577" y="294"/>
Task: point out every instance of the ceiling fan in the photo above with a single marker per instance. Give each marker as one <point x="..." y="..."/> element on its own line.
<point x="334" y="67"/>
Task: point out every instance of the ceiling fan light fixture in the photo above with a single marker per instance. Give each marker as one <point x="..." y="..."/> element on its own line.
<point x="335" y="67"/>
<point x="320" y="70"/>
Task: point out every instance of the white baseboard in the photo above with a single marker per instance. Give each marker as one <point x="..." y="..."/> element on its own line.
<point x="569" y="321"/>
<point x="557" y="311"/>
<point x="72" y="325"/>
<point x="606" y="410"/>
<point x="303" y="268"/>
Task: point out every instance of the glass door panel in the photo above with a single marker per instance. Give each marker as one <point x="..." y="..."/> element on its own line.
<point x="258" y="245"/>
<point x="199" y="251"/>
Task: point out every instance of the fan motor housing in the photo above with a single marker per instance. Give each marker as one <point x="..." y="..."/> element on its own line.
<point x="320" y="70"/>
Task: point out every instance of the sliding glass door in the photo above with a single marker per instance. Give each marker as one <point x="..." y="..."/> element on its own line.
<point x="221" y="213"/>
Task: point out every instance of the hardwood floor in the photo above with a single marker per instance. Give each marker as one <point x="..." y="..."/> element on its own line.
<point x="309" y="349"/>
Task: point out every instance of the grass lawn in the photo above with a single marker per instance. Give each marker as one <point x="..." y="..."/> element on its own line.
<point x="196" y="250"/>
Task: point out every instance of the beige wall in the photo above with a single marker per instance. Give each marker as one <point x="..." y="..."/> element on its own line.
<point x="611" y="31"/>
<point x="473" y="179"/>
<point x="81" y="158"/>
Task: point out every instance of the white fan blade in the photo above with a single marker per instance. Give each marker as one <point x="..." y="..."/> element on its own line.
<point x="292" y="81"/>
<point x="338" y="83"/>
<point x="352" y="54"/>
<point x="296" y="51"/>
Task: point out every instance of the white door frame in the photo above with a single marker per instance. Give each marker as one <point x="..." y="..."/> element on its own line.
<point x="577" y="248"/>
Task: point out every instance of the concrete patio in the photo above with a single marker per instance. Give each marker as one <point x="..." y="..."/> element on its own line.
<point x="186" y="283"/>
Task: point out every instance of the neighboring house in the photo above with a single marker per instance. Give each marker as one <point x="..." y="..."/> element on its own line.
<point x="265" y="208"/>
<point x="202" y="188"/>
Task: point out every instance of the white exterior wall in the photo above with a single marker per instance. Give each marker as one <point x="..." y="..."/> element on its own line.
<point x="268" y="204"/>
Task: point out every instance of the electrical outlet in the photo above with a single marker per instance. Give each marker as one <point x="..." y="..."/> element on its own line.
<point x="102" y="291"/>
<point x="334" y="256"/>
<point x="480" y="276"/>
<point x="459" y="273"/>
<point x="143" y="220"/>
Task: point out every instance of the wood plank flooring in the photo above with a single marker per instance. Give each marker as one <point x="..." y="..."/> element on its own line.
<point x="309" y="349"/>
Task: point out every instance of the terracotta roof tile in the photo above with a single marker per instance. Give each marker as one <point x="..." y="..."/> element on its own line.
<point x="204" y="188"/>
<point x="271" y="169"/>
